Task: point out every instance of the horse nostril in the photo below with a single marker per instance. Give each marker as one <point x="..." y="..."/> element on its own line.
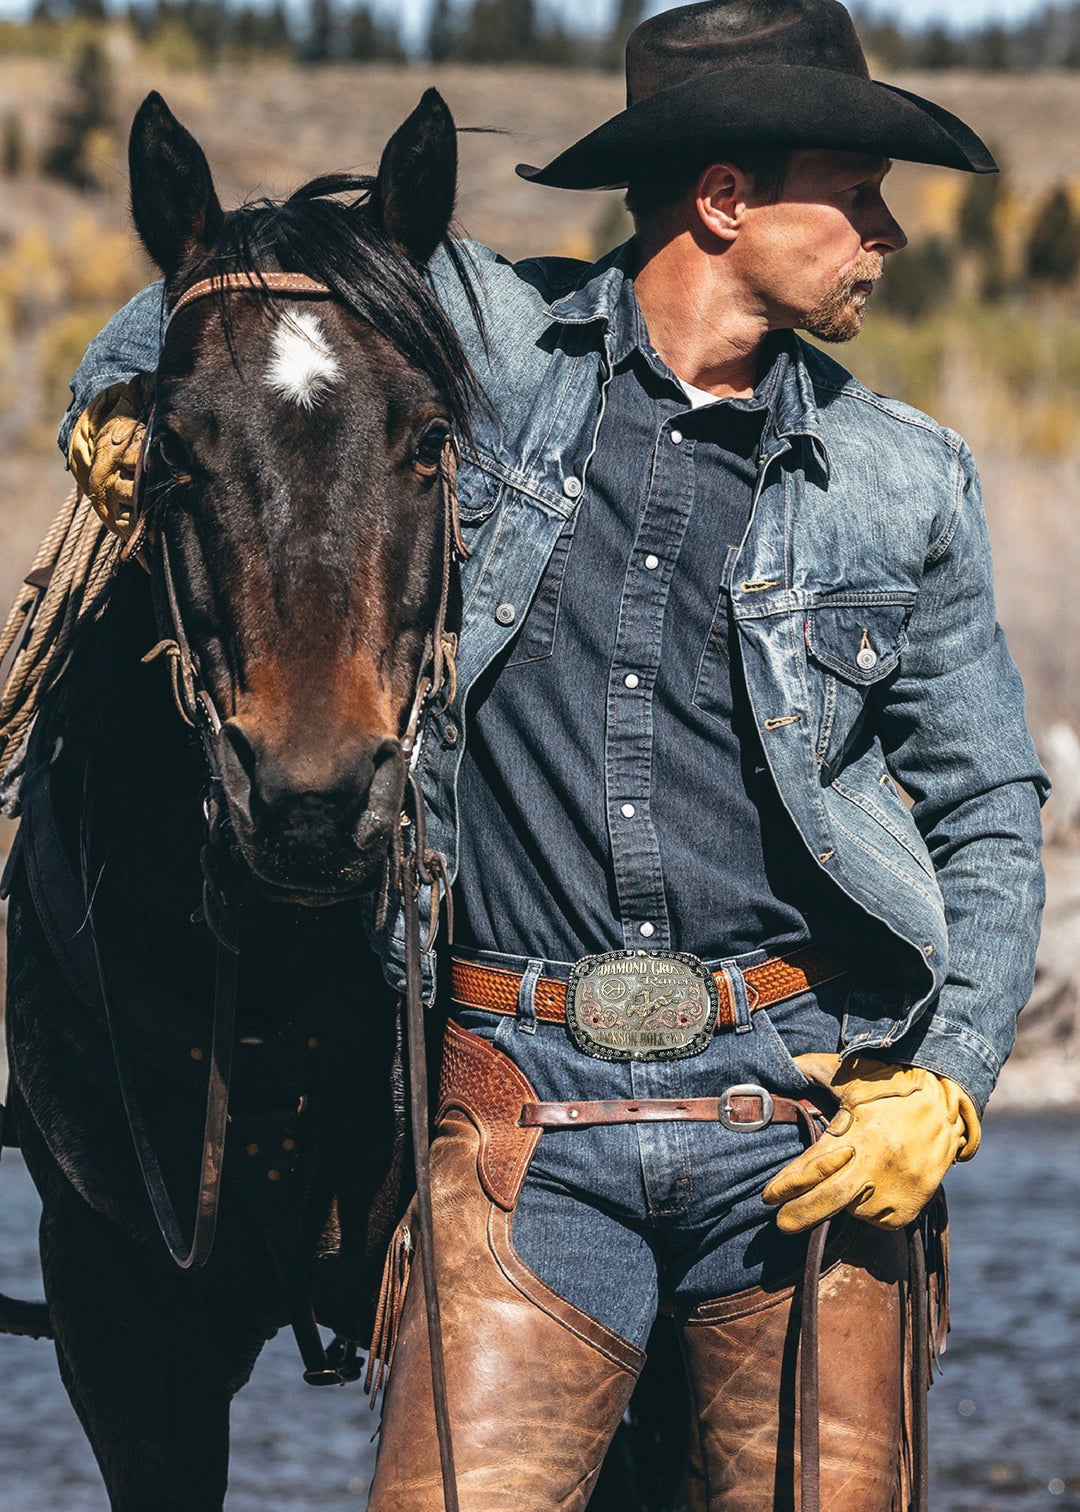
<point x="243" y="747"/>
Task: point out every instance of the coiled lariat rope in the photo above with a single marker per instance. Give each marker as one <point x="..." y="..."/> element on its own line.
<point x="66" y="587"/>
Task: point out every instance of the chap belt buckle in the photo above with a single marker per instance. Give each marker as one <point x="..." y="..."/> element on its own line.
<point x="641" y="1005"/>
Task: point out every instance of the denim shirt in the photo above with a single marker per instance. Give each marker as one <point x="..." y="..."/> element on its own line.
<point x="862" y="596"/>
<point x="613" y="791"/>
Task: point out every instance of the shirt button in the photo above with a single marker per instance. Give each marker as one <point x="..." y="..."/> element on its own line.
<point x="572" y="488"/>
<point x="652" y="562"/>
<point x="676" y="438"/>
<point x="647" y="929"/>
<point x="506" y="614"/>
<point x="628" y="810"/>
<point x="631" y="680"/>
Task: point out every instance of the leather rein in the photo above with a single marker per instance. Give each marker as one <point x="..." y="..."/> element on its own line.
<point x="408" y="869"/>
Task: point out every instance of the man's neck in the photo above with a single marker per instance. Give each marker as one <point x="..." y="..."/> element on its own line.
<point x="698" y="322"/>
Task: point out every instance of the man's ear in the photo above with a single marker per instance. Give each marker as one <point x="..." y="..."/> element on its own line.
<point x="417" y="181"/>
<point x="173" y="202"/>
<point x="722" y="194"/>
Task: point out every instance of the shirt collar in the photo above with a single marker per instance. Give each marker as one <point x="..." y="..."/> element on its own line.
<point x="605" y="293"/>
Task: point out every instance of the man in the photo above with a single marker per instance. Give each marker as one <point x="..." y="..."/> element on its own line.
<point x="724" y="609"/>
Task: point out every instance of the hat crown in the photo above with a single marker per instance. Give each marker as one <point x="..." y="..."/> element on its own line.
<point x="680" y="44"/>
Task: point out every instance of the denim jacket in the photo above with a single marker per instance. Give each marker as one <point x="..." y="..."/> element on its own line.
<point x="863" y="596"/>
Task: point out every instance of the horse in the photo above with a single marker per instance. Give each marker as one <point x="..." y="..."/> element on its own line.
<point x="294" y="519"/>
<point x="293" y="494"/>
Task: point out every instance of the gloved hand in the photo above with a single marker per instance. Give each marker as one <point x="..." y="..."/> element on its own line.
<point x="883" y="1156"/>
<point x="104" y="452"/>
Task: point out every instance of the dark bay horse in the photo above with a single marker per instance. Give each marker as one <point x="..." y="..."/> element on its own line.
<point x="292" y="476"/>
<point x="297" y="532"/>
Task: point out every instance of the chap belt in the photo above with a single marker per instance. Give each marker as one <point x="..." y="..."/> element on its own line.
<point x="495" y="990"/>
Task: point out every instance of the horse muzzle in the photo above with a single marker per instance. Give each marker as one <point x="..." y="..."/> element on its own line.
<point x="313" y="828"/>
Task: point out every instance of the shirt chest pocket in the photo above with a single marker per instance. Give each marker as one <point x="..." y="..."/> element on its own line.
<point x="854" y="642"/>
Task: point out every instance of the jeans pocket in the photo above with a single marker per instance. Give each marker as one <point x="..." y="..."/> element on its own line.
<point x="777" y="1071"/>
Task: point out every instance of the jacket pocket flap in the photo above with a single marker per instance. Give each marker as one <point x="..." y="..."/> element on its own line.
<point x="859" y="637"/>
<point x="478" y="489"/>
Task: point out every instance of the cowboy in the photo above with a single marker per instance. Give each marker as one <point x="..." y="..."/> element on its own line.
<point x="736" y="792"/>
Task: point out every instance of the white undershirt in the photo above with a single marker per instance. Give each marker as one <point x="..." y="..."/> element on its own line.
<point x="698" y="397"/>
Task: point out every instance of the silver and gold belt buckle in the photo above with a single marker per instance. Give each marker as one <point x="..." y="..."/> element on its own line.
<point x="641" y="1005"/>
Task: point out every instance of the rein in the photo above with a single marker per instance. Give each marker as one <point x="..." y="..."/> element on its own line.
<point x="410" y="870"/>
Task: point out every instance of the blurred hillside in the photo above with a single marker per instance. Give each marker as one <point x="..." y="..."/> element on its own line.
<point x="976" y="322"/>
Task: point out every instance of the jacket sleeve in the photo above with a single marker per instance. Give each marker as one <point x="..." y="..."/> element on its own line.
<point x="955" y="737"/>
<point x="129" y="344"/>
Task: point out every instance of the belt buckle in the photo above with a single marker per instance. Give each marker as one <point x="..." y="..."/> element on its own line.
<point x="641" y="1005"/>
<point x="745" y="1125"/>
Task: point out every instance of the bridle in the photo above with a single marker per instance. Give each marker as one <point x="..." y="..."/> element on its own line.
<point x="408" y="869"/>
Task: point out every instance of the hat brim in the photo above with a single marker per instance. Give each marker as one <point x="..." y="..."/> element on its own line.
<point x="767" y="105"/>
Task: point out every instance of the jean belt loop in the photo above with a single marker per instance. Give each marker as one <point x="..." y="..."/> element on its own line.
<point x="526" y="998"/>
<point x="739" y="997"/>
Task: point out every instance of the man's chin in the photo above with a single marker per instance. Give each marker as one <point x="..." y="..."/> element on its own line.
<point x="837" y="326"/>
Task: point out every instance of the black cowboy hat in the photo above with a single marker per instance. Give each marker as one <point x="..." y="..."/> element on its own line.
<point x="757" y="74"/>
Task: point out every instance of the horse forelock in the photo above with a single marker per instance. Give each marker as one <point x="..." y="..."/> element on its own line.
<point x="330" y="230"/>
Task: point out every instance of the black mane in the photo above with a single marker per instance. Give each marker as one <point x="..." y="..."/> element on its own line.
<point x="343" y="244"/>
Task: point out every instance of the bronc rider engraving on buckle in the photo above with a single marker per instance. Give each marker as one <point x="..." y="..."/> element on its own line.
<point x="641" y="1005"/>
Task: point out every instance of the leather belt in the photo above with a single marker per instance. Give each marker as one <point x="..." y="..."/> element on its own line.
<point x="773" y="981"/>
<point x="743" y="1107"/>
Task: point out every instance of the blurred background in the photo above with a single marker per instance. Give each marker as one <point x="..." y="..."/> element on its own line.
<point x="977" y="322"/>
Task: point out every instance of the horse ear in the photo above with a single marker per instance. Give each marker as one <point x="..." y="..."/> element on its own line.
<point x="173" y="202"/>
<point x="417" y="181"/>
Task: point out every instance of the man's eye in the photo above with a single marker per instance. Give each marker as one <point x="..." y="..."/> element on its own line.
<point x="429" y="448"/>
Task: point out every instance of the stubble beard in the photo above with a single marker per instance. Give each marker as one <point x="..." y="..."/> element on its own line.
<point x="839" y="315"/>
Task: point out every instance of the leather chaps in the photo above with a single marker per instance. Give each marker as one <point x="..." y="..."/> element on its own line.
<point x="537" y="1389"/>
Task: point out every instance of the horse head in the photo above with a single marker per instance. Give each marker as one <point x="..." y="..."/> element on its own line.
<point x="293" y="481"/>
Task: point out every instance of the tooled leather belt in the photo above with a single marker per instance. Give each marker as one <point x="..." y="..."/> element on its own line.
<point x="496" y="990"/>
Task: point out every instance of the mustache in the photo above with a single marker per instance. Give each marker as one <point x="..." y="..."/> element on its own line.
<point x="868" y="269"/>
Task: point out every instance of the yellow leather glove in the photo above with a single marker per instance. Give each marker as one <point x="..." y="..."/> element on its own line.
<point x="883" y="1156"/>
<point x="104" y="452"/>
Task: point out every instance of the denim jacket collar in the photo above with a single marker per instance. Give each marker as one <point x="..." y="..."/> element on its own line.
<point x="597" y="298"/>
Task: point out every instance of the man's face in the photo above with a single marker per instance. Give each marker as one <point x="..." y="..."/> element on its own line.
<point x="815" y="255"/>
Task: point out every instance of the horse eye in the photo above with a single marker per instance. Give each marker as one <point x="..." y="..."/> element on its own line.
<point x="429" y="448"/>
<point x="170" y="452"/>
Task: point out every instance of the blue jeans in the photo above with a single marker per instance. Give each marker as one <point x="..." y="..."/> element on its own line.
<point x="616" y="1219"/>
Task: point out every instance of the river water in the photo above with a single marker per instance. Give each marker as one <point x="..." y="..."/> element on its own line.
<point x="1005" y="1417"/>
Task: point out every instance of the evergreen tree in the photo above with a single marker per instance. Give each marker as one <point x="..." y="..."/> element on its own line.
<point x="277" y="33"/>
<point x="628" y="14"/>
<point x="940" y="50"/>
<point x="976" y="223"/>
<point x="369" y="39"/>
<point x="12" y="147"/>
<point x="322" y="32"/>
<point x="442" y="32"/>
<point x="500" y="31"/>
<point x="920" y="280"/>
<point x="68" y="156"/>
<point x="1053" y="253"/>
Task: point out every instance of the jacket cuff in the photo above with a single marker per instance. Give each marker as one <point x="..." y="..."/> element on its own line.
<point x="952" y="1050"/>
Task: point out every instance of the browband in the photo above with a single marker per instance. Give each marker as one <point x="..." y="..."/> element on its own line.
<point x="298" y="284"/>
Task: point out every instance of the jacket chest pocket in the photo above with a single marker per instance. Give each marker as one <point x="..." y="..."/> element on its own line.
<point x="855" y="640"/>
<point x="537" y="638"/>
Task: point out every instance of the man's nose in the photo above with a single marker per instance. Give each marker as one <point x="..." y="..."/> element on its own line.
<point x="886" y="235"/>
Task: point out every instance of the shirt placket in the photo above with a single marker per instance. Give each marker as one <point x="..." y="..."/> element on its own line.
<point x="629" y="774"/>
